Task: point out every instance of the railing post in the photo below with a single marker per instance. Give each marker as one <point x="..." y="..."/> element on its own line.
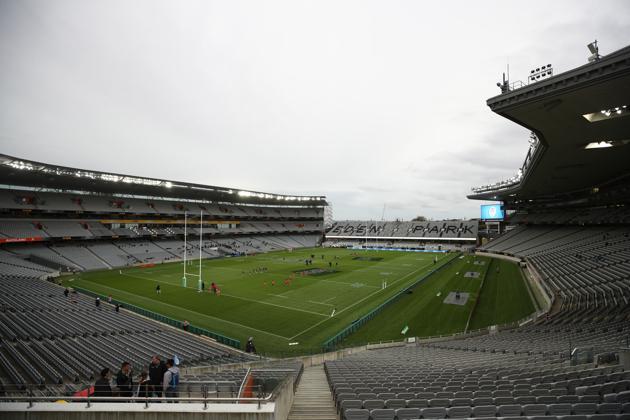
<point x="30" y="400"/>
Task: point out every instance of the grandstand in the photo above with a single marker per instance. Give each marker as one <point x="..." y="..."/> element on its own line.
<point x="567" y="227"/>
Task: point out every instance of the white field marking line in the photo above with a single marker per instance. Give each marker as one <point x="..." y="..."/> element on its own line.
<point x="359" y="301"/>
<point x="320" y="303"/>
<point x="329" y="299"/>
<point x="343" y="283"/>
<point x="189" y="311"/>
<point x="262" y="302"/>
<point x="280" y="296"/>
<point x="273" y="304"/>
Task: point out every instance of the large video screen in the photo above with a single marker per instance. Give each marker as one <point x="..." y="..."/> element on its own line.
<point x="492" y="212"/>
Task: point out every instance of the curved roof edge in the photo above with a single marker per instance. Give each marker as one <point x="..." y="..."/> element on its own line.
<point x="27" y="173"/>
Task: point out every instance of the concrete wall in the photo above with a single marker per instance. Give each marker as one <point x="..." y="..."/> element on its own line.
<point x="121" y="411"/>
<point x="284" y="400"/>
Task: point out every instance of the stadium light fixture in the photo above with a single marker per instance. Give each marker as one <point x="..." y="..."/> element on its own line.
<point x="606" y="114"/>
<point x="168" y="184"/>
<point x="540" y="73"/>
<point x="599" y="145"/>
<point x="594" y="49"/>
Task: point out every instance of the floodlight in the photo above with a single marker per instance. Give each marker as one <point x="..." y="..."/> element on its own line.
<point x="592" y="47"/>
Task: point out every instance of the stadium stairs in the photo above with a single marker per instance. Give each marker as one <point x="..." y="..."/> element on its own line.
<point x="313" y="399"/>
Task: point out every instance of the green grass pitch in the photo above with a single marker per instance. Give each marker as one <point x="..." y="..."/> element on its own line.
<point x="280" y="315"/>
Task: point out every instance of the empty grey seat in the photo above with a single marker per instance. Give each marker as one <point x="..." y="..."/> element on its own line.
<point x="602" y="417"/>
<point x="463" y="394"/>
<point x="366" y="396"/>
<point x="623" y="397"/>
<point x="584" y="408"/>
<point x="458" y="412"/>
<point x="529" y="399"/>
<point x="509" y="410"/>
<point x="482" y="401"/>
<point x="434" y="413"/>
<point x="461" y="402"/>
<point x="571" y="399"/>
<point x="357" y="414"/>
<point x="610" y="398"/>
<point x="559" y="409"/>
<point x="439" y="402"/>
<point x="535" y="410"/>
<point x="417" y="403"/>
<point x="609" y="408"/>
<point x="485" y="411"/>
<point x="386" y="396"/>
<point x="395" y="403"/>
<point x="346" y="396"/>
<point x="503" y="401"/>
<point x="573" y="417"/>
<point x="592" y="398"/>
<point x="547" y="399"/>
<point x="405" y="396"/>
<point x="383" y="414"/>
<point x="373" y="404"/>
<point x="407" y="413"/>
<point x="346" y="404"/>
<point x="482" y="394"/>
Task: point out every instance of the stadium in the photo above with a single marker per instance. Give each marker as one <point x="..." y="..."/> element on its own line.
<point x="130" y="297"/>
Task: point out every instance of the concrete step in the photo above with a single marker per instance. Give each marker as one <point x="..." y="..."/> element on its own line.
<point x="313" y="399"/>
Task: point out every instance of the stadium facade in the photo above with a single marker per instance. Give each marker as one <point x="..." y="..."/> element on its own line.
<point x="69" y="219"/>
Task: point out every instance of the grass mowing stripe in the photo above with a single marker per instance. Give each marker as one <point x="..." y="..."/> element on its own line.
<point x="262" y="302"/>
<point x="188" y="311"/>
<point x="357" y="302"/>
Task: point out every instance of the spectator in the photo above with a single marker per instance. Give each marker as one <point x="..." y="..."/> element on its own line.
<point x="144" y="387"/>
<point x="109" y="299"/>
<point x="117" y="307"/>
<point x="185" y="325"/>
<point x="97" y="302"/>
<point x="66" y="292"/>
<point x="124" y="380"/>
<point x="171" y="379"/>
<point x="250" y="347"/>
<point x="102" y="388"/>
<point x="157" y="369"/>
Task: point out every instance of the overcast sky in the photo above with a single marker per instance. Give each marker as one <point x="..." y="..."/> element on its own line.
<point x="370" y="103"/>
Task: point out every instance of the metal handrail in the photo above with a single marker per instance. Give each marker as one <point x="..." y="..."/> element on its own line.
<point x="31" y="399"/>
<point x="240" y="389"/>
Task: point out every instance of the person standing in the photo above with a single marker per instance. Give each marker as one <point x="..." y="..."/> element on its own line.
<point x="171" y="380"/>
<point x="158" y="290"/>
<point x="97" y="302"/>
<point x="102" y="388"/>
<point x="66" y="292"/>
<point x="250" y="347"/>
<point x="157" y="369"/>
<point x="124" y="380"/>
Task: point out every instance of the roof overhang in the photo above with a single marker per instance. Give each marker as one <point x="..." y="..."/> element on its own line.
<point x="25" y="173"/>
<point x="570" y="113"/>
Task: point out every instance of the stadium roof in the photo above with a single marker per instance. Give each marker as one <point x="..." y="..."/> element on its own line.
<point x="581" y="119"/>
<point x="25" y="173"/>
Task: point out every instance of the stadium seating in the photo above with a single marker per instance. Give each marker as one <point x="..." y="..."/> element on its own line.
<point x="586" y="266"/>
<point x="47" y="338"/>
<point x="501" y="384"/>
